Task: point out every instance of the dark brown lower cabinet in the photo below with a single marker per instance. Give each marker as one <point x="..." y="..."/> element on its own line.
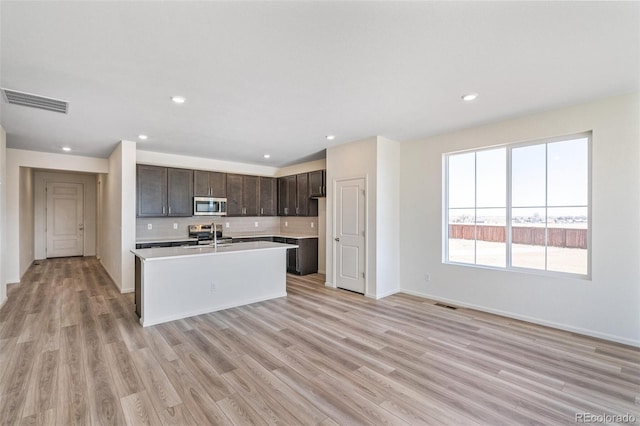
<point x="304" y="259"/>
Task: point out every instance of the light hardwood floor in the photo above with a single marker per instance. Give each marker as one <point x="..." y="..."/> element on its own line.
<point x="72" y="352"/>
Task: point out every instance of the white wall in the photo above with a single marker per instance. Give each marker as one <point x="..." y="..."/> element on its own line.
<point x="118" y="216"/>
<point x="26" y="208"/>
<point x="3" y="226"/>
<point x="388" y="217"/>
<point x="309" y="166"/>
<point x="41" y="179"/>
<point x="199" y="163"/>
<point x="322" y="233"/>
<point x="353" y="160"/>
<point x="17" y="158"/>
<point x="605" y="306"/>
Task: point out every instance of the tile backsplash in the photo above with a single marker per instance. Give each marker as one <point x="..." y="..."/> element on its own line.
<point x="163" y="227"/>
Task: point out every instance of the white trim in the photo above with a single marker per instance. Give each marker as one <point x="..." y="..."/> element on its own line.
<point x="533" y="320"/>
<point x="212" y="309"/>
<point x="4" y="301"/>
<point x="330" y="285"/>
<point x="385" y="294"/>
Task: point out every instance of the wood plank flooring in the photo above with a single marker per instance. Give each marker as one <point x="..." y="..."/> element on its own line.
<point x="72" y="352"/>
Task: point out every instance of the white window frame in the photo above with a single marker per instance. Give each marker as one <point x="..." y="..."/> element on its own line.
<point x="509" y="207"/>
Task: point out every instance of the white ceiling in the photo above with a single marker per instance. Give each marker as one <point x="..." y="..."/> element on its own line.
<point x="272" y="77"/>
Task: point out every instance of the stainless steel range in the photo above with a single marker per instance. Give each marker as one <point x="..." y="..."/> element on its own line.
<point x="205" y="234"/>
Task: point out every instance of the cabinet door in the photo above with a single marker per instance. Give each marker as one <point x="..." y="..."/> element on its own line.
<point x="250" y="196"/>
<point x="282" y="196"/>
<point x="234" y="195"/>
<point x="151" y="191"/>
<point x="201" y="187"/>
<point x="292" y="256"/>
<point x="307" y="256"/>
<point x="218" y="184"/>
<point x="179" y="192"/>
<point x="268" y="192"/>
<point x="302" y="186"/>
<point x="316" y="184"/>
<point x="290" y="206"/>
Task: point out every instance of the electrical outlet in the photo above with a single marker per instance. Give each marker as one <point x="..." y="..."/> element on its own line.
<point x="226" y="224"/>
<point x="175" y="226"/>
<point x="255" y="224"/>
<point x="149" y="226"/>
<point x="213" y="287"/>
<point x="427" y="277"/>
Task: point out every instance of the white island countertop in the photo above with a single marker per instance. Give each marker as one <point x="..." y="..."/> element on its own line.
<point x="180" y="282"/>
<point x="158" y="253"/>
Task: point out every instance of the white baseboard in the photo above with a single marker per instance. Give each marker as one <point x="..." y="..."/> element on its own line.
<point x="328" y="284"/>
<point x="385" y="294"/>
<point x="533" y="320"/>
<point x="3" y="301"/>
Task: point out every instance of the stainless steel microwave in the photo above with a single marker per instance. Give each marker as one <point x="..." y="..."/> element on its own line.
<point x="209" y="206"/>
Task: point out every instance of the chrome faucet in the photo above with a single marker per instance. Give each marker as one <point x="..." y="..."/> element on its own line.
<point x="215" y="235"/>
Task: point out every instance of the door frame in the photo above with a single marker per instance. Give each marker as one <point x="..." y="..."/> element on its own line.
<point x="47" y="183"/>
<point x="366" y="229"/>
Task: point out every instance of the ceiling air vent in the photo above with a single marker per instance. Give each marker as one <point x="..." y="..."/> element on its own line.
<point x="34" y="101"/>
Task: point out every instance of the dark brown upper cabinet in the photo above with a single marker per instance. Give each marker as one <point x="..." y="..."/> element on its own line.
<point x="163" y="191"/>
<point x="151" y="191"/>
<point x="317" y="184"/>
<point x="242" y="195"/>
<point x="302" y="195"/>
<point x="294" y="198"/>
<point x="250" y="195"/>
<point x="287" y="196"/>
<point x="268" y="196"/>
<point x="209" y="184"/>
<point x="179" y="192"/>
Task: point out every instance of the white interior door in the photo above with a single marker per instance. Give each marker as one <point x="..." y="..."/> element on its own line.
<point x="349" y="237"/>
<point x="65" y="219"/>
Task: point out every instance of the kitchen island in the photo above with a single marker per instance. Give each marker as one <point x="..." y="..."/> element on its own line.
<point x="179" y="282"/>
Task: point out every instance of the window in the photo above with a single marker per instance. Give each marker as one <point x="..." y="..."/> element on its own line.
<point x="521" y="206"/>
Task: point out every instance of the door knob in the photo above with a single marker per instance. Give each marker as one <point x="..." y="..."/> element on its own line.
<point x="337" y="239"/>
<point x="81" y="227"/>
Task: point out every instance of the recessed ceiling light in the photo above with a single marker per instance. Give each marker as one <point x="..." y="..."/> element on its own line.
<point x="267" y="156"/>
<point x="331" y="137"/>
<point x="143" y="137"/>
<point x="178" y="99"/>
<point x="66" y="148"/>
<point x="469" y="96"/>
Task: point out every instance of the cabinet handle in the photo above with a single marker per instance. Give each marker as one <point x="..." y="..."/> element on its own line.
<point x="297" y="209"/>
<point x="169" y="209"/>
<point x="286" y="210"/>
<point x="261" y="210"/>
<point x="162" y="209"/>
